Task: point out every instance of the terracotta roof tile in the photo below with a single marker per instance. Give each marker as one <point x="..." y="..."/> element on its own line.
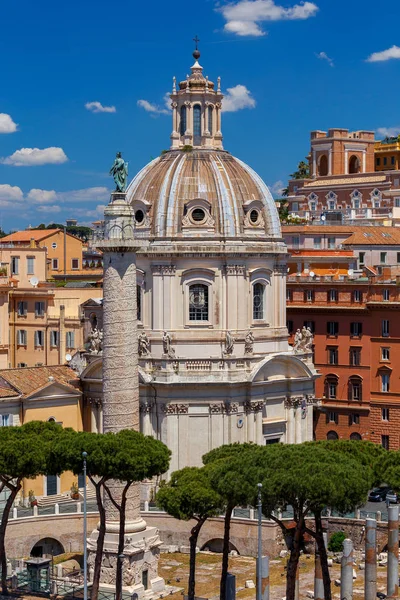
<point x="374" y="236"/>
<point x="28" y="380"/>
<point x="8" y="392"/>
<point x="27" y="235"/>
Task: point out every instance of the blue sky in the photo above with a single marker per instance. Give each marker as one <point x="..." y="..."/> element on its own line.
<point x="299" y="66"/>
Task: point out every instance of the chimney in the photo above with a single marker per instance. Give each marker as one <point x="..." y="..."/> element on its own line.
<point x="62" y="335"/>
<point x="32" y="243"/>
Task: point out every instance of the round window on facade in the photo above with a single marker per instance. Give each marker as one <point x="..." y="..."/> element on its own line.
<point x="254" y="216"/>
<point x="198" y="215"/>
<point x="139" y="216"/>
<point x="54" y="245"/>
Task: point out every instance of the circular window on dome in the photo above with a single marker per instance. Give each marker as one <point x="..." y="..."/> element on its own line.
<point x="198" y="215"/>
<point x="254" y="216"/>
<point x="139" y="216"/>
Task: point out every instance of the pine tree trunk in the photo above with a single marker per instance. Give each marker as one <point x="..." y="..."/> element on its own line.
<point x="225" y="551"/>
<point x="94" y="592"/>
<point x="3" y="526"/>
<point x="319" y="538"/>
<point x="293" y="562"/>
<point x="121" y="544"/>
<point x="194" y="534"/>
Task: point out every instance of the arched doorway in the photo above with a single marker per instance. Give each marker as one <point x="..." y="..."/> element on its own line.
<point x="332" y="435"/>
<point x="354" y="164"/>
<point x="355" y="436"/>
<point x="47" y="546"/>
<point x="216" y="545"/>
<point x="323" y="165"/>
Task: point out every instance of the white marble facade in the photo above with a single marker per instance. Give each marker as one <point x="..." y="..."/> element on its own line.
<point x="214" y="362"/>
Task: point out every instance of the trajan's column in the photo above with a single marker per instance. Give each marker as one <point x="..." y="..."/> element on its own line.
<point x="121" y="395"/>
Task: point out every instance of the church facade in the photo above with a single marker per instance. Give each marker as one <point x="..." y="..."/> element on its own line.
<point x="215" y="366"/>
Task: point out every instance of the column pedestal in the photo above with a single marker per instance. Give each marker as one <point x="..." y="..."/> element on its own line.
<point x="140" y="565"/>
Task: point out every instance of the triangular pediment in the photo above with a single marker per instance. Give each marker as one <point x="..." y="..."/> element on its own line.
<point x="55" y="390"/>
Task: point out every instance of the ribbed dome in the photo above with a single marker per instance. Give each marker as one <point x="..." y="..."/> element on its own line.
<point x="203" y="193"/>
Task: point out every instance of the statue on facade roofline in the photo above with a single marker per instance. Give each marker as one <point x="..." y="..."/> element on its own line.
<point x="95" y="340"/>
<point x="119" y="171"/>
<point x="303" y="341"/>
<point x="143" y="344"/>
<point x="167" y="348"/>
<point x="229" y="343"/>
<point x="249" y="343"/>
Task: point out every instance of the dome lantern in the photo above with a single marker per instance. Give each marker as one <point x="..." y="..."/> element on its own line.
<point x="196" y="110"/>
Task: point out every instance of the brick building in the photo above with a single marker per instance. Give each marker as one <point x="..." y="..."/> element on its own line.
<point x="344" y="184"/>
<point x="356" y="329"/>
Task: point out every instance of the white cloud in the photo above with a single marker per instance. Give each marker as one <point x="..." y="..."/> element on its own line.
<point x="393" y="52"/>
<point x="32" y="157"/>
<point x="156" y="109"/>
<point x="42" y="196"/>
<point x="324" y="56"/>
<point x="85" y="194"/>
<point x="9" y="192"/>
<point x="49" y="209"/>
<point x="388" y="131"/>
<point x="245" y="17"/>
<point x="236" y="98"/>
<point x="98" y="212"/>
<point x="97" y="107"/>
<point x="277" y="188"/>
<point x="7" y="125"/>
<point x="45" y="197"/>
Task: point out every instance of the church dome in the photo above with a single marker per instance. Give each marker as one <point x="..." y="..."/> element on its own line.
<point x="197" y="189"/>
<point x="202" y="193"/>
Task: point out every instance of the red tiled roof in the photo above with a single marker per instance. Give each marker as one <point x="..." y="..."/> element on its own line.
<point x="28" y="380"/>
<point x="27" y="235"/>
<point x="374" y="236"/>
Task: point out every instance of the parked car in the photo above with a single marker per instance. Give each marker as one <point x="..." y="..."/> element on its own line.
<point x="392" y="497"/>
<point x="378" y="494"/>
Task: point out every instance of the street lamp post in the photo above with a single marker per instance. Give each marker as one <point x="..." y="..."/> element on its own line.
<point x="259" y="552"/>
<point x="85" y="583"/>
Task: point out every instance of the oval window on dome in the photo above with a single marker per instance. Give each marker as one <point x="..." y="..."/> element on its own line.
<point x="139" y="216"/>
<point x="254" y="216"/>
<point x="198" y="215"/>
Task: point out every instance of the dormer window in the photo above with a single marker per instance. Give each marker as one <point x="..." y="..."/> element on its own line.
<point x="254" y="216"/>
<point x="198" y="216"/>
<point x="139" y="216"/>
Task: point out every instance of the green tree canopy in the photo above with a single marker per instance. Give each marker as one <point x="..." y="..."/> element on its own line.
<point x="309" y="478"/>
<point x="190" y="495"/>
<point x="127" y="456"/>
<point x="232" y="475"/>
<point x="25" y="453"/>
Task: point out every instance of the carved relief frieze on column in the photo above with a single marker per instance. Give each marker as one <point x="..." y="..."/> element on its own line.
<point x="234" y="269"/>
<point x="216" y="408"/>
<point x="163" y="269"/>
<point x="175" y="409"/>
